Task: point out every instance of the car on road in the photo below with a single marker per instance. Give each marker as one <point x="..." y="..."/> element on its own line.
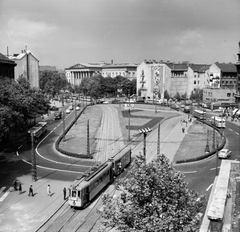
<point x="58" y="115"/>
<point x="77" y="108"/>
<point x="224" y="153"/>
<point x="68" y="111"/>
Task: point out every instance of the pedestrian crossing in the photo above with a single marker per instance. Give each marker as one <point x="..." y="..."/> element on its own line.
<point x="4" y="192"/>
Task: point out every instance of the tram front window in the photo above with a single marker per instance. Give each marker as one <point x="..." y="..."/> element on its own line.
<point x="74" y="193"/>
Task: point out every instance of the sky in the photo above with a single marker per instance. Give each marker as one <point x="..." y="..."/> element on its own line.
<point x="63" y="33"/>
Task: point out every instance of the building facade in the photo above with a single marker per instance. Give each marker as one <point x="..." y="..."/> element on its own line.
<point x="237" y="95"/>
<point x="6" y="67"/>
<point x="27" y="66"/>
<point x="124" y="69"/>
<point x="152" y="79"/>
<point x="76" y="73"/>
<point x="175" y="78"/>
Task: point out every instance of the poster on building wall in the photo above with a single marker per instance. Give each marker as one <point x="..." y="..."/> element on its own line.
<point x="157" y="78"/>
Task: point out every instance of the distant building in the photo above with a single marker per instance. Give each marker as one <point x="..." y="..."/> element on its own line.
<point x="47" y="68"/>
<point x="6" y="67"/>
<point x="223" y="75"/>
<point x="123" y="69"/>
<point x="27" y="66"/>
<point x="237" y="95"/>
<point x="76" y="73"/>
<point x="182" y="78"/>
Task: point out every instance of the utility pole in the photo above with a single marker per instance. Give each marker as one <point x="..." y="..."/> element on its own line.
<point x="75" y="112"/>
<point x="63" y="125"/>
<point x="145" y="131"/>
<point x="129" y="117"/>
<point x="158" y="144"/>
<point x="34" y="168"/>
<point x="217" y="158"/>
<point x="88" y="144"/>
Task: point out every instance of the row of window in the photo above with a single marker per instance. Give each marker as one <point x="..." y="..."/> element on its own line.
<point x="210" y="94"/>
<point x="98" y="181"/>
<point x="117" y="74"/>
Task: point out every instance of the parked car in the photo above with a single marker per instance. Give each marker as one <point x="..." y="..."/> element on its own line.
<point x="68" y="111"/>
<point x="70" y="107"/>
<point x="77" y="108"/>
<point x="224" y="153"/>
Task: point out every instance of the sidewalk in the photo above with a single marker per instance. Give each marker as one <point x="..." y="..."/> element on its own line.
<point x="22" y="213"/>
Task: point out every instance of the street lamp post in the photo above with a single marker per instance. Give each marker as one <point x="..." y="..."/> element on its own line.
<point x="75" y="112"/>
<point x="144" y="131"/>
<point x="34" y="168"/>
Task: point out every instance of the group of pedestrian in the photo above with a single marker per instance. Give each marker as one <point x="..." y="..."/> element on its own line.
<point x="18" y="187"/>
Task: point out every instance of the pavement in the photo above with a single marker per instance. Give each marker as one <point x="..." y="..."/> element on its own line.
<point x="23" y="213"/>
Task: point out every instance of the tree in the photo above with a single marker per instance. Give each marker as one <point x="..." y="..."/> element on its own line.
<point x="196" y="94"/>
<point x="154" y="198"/>
<point x="51" y="82"/>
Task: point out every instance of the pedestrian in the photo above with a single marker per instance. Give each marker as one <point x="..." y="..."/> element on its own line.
<point x="15" y="185"/>
<point x="49" y="190"/>
<point x="20" y="188"/>
<point x="183" y="129"/>
<point x="30" y="191"/>
<point x="64" y="193"/>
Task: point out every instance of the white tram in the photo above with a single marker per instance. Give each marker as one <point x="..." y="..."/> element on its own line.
<point x="39" y="129"/>
<point x="200" y="114"/>
<point x="85" y="188"/>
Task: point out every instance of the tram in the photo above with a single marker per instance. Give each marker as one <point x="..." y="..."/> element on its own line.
<point x="37" y="131"/>
<point x="219" y="122"/>
<point x="86" y="187"/>
<point x="199" y="114"/>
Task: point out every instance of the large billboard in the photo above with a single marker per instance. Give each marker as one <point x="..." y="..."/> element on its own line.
<point x="157" y="78"/>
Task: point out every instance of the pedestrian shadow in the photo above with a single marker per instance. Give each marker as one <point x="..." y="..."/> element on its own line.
<point x="22" y="192"/>
<point x="52" y="194"/>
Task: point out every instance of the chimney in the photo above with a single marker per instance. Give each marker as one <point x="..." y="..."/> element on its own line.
<point x="111" y="61"/>
<point x="7" y="52"/>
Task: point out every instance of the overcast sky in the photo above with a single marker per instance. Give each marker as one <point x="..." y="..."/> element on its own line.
<point x="62" y="33"/>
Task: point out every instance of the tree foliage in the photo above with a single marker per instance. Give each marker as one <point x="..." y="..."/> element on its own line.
<point x="51" y="82"/>
<point x="19" y="103"/>
<point x="154" y="198"/>
<point x="97" y="86"/>
<point x="196" y="94"/>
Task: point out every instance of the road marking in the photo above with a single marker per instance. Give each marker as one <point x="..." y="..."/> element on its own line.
<point x="209" y="187"/>
<point x="54" y="169"/>
<point x="1" y="190"/>
<point x="189" y="172"/>
<point x="214" y="168"/>
<point x="237" y="133"/>
<point x="230" y="129"/>
<point x="6" y="194"/>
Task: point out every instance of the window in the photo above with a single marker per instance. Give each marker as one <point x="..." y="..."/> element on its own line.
<point x="194" y="82"/>
<point x="228" y="94"/>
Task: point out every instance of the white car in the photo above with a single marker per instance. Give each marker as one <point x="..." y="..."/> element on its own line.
<point x="77" y="108"/>
<point x="68" y="111"/>
<point x="224" y="154"/>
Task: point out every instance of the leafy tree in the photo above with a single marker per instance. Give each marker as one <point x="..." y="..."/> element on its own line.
<point x="154" y="198"/>
<point x="196" y="94"/>
<point x="166" y="95"/>
<point x="51" y="82"/>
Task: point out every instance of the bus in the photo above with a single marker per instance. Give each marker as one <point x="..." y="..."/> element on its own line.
<point x="219" y="122"/>
<point x="39" y="129"/>
<point x="199" y="114"/>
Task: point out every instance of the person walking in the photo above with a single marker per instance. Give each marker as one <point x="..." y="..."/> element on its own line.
<point x="15" y="185"/>
<point x="20" y="188"/>
<point x="49" y="190"/>
<point x="30" y="191"/>
<point x="183" y="129"/>
<point x="64" y="193"/>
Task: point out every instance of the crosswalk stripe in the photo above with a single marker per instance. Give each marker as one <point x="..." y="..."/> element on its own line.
<point x="5" y="194"/>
